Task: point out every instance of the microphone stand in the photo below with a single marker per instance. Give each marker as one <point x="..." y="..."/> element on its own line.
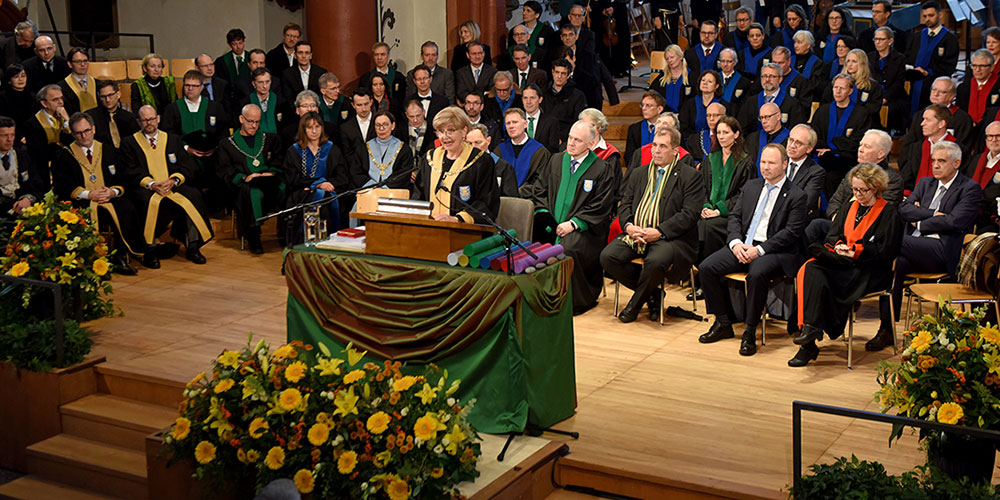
<point x="508" y="240"/>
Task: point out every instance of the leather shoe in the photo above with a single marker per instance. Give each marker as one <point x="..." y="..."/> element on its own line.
<point x="697" y="295"/>
<point x="255" y="247"/>
<point x="165" y="250"/>
<point x="809" y="334"/>
<point x="655" y="309"/>
<point x="880" y="341"/>
<point x="716" y="333"/>
<point x="748" y="345"/>
<point x="194" y="255"/>
<point x="806" y="354"/>
<point x="150" y="261"/>
<point x="120" y="265"/>
<point x="629" y="314"/>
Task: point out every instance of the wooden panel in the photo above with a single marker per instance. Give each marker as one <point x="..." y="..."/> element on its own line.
<point x="133" y="383"/>
<point x="417" y="237"/>
<point x="32" y="488"/>
<point x="114" y="420"/>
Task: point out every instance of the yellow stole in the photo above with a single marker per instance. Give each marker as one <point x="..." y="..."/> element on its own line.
<point x="442" y="200"/>
<point x="95" y="168"/>
<point x="156" y="161"/>
<point x="88" y="98"/>
<point x="51" y="131"/>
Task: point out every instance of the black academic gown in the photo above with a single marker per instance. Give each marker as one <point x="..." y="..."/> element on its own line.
<point x="38" y="142"/>
<point x="890" y="77"/>
<point x="477" y="183"/>
<point x="960" y="125"/>
<point x="124" y="120"/>
<point x="506" y="178"/>
<point x="870" y="99"/>
<point x="944" y="60"/>
<point x="565" y="106"/>
<point x="233" y="169"/>
<point x="539" y="161"/>
<point x="359" y="169"/>
<point x="792" y="113"/>
<point x="712" y="232"/>
<point x="844" y="153"/>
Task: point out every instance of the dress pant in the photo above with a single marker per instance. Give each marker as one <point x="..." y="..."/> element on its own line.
<point x="918" y="254"/>
<point x="760" y="272"/>
<point x="616" y="259"/>
<point x="816" y="231"/>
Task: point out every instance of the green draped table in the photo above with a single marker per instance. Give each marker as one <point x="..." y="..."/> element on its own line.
<point x="508" y="338"/>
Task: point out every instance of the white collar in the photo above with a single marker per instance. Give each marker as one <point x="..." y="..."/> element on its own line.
<point x="729" y="75"/>
<point x="429" y="93"/>
<point x="935" y="141"/>
<point x="473" y="67"/>
<point x="990" y="157"/>
<point x="328" y="103"/>
<point x="779" y="184"/>
<point x="704" y="48"/>
<point x="601" y="144"/>
<point x="947" y="185"/>
<point x="520" y="143"/>
<point x="191" y="103"/>
<point x="304" y="71"/>
<point x="579" y="158"/>
<point x="154" y="136"/>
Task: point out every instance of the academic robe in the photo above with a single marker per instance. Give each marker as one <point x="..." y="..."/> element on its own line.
<point x="527" y="167"/>
<point x="811" y="67"/>
<point x="844" y="193"/>
<point x="751" y="60"/>
<point x="474" y="183"/>
<point x="688" y="116"/>
<point x="565" y="106"/>
<point x="960" y="125"/>
<point x="700" y="144"/>
<point x="911" y="162"/>
<point x="436" y="104"/>
<point x="735" y="90"/>
<point x="229" y="70"/>
<point x="492" y="109"/>
<point x="674" y="90"/>
<point x="72" y="174"/>
<point x="585" y="199"/>
<point x="695" y="57"/>
<point x="184" y="206"/>
<point x="214" y="124"/>
<point x="634" y="137"/>
<point x="19" y="105"/>
<point x="755" y="144"/>
<point x="291" y="82"/>
<point x="158" y="96"/>
<point x="943" y="61"/>
<point x="989" y="96"/>
<point x="989" y="181"/>
<point x="792" y="111"/>
<point x="843" y="147"/>
<point x="364" y="173"/>
<point x="338" y="112"/>
<point x="124" y="121"/>
<point x="870" y="99"/>
<point x="44" y="140"/>
<point x="889" y="74"/>
<point x="396" y="88"/>
<point x="261" y="195"/>
<point x="75" y="98"/>
<point x="506" y="179"/>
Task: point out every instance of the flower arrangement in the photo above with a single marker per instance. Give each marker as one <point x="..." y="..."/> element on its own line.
<point x="337" y="429"/>
<point x="949" y="372"/>
<point x="54" y="241"/>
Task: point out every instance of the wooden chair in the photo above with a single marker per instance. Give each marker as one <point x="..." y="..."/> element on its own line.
<point x="180" y="66"/>
<point x="919" y="278"/>
<point x="109" y="70"/>
<point x="850" y="324"/>
<point x="956" y="293"/>
<point x="663" y="292"/>
<point x="742" y="278"/>
<point x="126" y="91"/>
<point x="133" y="69"/>
<point x="657" y="65"/>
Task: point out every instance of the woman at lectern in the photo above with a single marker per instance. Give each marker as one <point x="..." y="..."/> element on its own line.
<point x="457" y="171"/>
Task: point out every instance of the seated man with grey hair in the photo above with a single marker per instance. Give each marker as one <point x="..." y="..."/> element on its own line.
<point x="943" y="92"/>
<point x="501" y="98"/>
<point x="577" y="214"/>
<point x="938" y="213"/>
<point x="735" y="86"/>
<point x="20" y="47"/>
<point x="979" y="90"/>
<point x="48" y="130"/>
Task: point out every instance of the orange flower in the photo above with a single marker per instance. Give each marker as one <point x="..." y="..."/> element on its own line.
<point x="926" y="362"/>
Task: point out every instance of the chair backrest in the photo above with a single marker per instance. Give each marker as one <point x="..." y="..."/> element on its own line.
<point x="517" y="214"/>
<point x="368" y="200"/>
<point x="180" y="66"/>
<point x="657" y="60"/>
<point x="109" y="70"/>
<point x="126" y="91"/>
<point x="133" y="69"/>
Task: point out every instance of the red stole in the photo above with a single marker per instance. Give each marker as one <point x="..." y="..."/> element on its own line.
<point x="607" y="151"/>
<point x="977" y="98"/>
<point x="925" y="157"/>
<point x="646" y="153"/>
<point x="984" y="175"/>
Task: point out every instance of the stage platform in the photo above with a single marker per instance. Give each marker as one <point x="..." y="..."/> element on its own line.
<point x="659" y="415"/>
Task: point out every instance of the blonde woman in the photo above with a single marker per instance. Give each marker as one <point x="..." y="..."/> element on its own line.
<point x="468" y="32"/>
<point x="154" y="88"/>
<point x="867" y="91"/>
<point x="674" y="85"/>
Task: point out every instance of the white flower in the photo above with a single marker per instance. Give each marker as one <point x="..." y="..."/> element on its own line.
<point x="445" y="441"/>
<point x="439" y="449"/>
<point x="71" y="244"/>
<point x="404" y="411"/>
<point x="322" y="394"/>
<point x="364" y="486"/>
<point x="376" y="401"/>
<point x="446" y="418"/>
<point x="25" y="248"/>
<point x="942" y="339"/>
<point x="451" y="401"/>
<point x="951" y="347"/>
<point x="417" y="441"/>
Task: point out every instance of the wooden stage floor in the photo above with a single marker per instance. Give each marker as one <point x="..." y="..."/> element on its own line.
<point x="653" y="402"/>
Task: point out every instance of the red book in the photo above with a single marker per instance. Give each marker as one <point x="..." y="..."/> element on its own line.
<point x="351" y="232"/>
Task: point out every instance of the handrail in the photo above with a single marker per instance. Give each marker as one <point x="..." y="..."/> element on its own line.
<point x="57" y="306"/>
<point x="799" y="406"/>
<point x="91" y="35"/>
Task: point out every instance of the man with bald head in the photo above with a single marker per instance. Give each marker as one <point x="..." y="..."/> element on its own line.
<point x="771" y="131"/>
<point x="250" y="163"/>
<point x="575" y="195"/>
<point x="46" y="67"/>
<point x="700" y="144"/>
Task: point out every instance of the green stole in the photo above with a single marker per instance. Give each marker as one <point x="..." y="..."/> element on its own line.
<point x="567" y="186"/>
<point x="533" y="39"/>
<point x="146" y="95"/>
<point x="235" y="71"/>
<point x="268" y="122"/>
<point x="192" y="122"/>
<point x="256" y="195"/>
<point x="332" y="114"/>
<point x="722" y="176"/>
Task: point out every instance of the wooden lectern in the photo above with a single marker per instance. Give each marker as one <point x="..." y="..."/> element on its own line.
<point x="417" y="236"/>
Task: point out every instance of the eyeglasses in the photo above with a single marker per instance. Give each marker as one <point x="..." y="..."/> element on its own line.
<point x="861" y="190"/>
<point x="982" y="66"/>
<point x="498" y="89"/>
<point x="993" y="137"/>
<point x="795" y="142"/>
<point x="383" y="125"/>
<point x="78" y="133"/>
<point x="105" y="97"/>
<point x="192" y="85"/>
<point x="881" y="39"/>
<point x="448" y="132"/>
<point x="767" y="117"/>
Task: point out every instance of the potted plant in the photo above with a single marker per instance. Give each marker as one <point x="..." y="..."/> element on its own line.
<point x="949" y="372"/>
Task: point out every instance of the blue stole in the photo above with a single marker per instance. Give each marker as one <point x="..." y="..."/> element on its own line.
<point x="727" y="91"/>
<point x="837" y="125"/>
<point x="741" y="42"/>
<point x="927" y="46"/>
<point x="807" y="70"/>
<point x="787" y="80"/>
<point x="762" y="141"/>
<point x="750" y="62"/>
<point x="830" y="50"/>
<point x="786" y="37"/>
<point x="778" y="98"/>
<point x="834" y="68"/>
<point x="881" y="68"/>
<point x="647" y="136"/>
<point x="700" y="122"/>
<point x="706" y="141"/>
<point x="708" y="62"/>
<point x="672" y="94"/>
<point x="522" y="163"/>
<point x="505" y="105"/>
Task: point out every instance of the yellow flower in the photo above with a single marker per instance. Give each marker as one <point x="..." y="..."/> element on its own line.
<point x="68" y="260"/>
<point x="318" y="434"/>
<point x="285" y="352"/>
<point x="347" y="461"/>
<point x="182" y="427"/>
<point x="230" y="359"/>
<point x="100" y="267"/>
<point x="327" y="367"/>
<point x="437" y="472"/>
<point x="61" y="232"/>
<point x="275" y="458"/>
<point x="427" y="427"/>
<point x="19" y="269"/>
<point x="398" y="489"/>
<point x="346" y="403"/>
<point x="252" y="456"/>
<point x="404" y="383"/>
<point x="196" y="379"/>
<point x="257" y="427"/>
<point x="33" y="210"/>
<point x="354" y="376"/>
<point x="295" y="371"/>
<point x="378" y="422"/>
<point x="455" y="437"/>
<point x="323" y="418"/>
<point x="69" y="217"/>
<point x="990" y="334"/>
<point x="204" y="452"/>
<point x="427" y="394"/>
<point x="289" y="399"/>
<point x="241" y="455"/>
<point x="950" y="413"/>
<point x="922" y="341"/>
<point x="224" y="385"/>
<point x="304" y="481"/>
<point x="353" y="356"/>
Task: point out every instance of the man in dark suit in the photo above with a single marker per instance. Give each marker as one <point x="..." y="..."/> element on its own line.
<point x="356" y="131"/>
<point x="395" y="81"/>
<point x="640" y="133"/>
<point x="541" y="126"/>
<point x="477" y="76"/>
<point x="243" y="86"/>
<point x="765" y="241"/>
<point x="660" y="220"/>
<point x="938" y="213"/>
<point x="473" y="106"/>
<point x="430" y="100"/>
<point x="46" y="67"/>
<point x="303" y="76"/>
<point x="881" y="12"/>
<point x="586" y="68"/>
<point x="442" y="79"/>
<point x="523" y="72"/>
<point x="22" y="182"/>
<point x="112" y="122"/>
<point x="215" y="89"/>
<point x="232" y="65"/>
<point x="418" y="132"/>
<point x="802" y="169"/>
<point x="840" y="125"/>
<point x="20" y="47"/>
<point x="933" y="51"/>
<point x="282" y="57"/>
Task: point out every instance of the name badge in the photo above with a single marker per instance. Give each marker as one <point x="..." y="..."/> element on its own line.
<point x="172" y="158"/>
<point x="499" y="180"/>
<point x="864" y="97"/>
<point x="278" y="116"/>
<point x="111" y="168"/>
<point x="784" y="117"/>
<point x="534" y="64"/>
<point x="993" y="99"/>
<point x="687" y="90"/>
<point x="849" y="131"/>
<point x="24" y="175"/>
<point x="766" y="60"/>
<point x="792" y="91"/>
<point x="211" y="121"/>
<point x="738" y="93"/>
<point x="541" y="40"/>
<point x="822" y="44"/>
<point x="464" y="192"/>
<point x="588" y="185"/>
<point x="940" y="51"/>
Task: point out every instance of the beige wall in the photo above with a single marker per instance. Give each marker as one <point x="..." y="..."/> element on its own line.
<point x="416" y="22"/>
<point x="184" y="28"/>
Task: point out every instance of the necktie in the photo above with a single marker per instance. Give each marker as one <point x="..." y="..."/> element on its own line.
<point x="152" y="142"/>
<point x="428" y="98"/>
<point x="475" y="74"/>
<point x="652" y="128"/>
<point x="83" y="84"/>
<point x="572" y="166"/>
<point x="116" y="138"/>
<point x="90" y="157"/>
<point x="524" y="80"/>
<point x="531" y="127"/>
<point x="208" y="87"/>
<point x="758" y="214"/>
<point x="6" y="161"/>
<point x="935" y="203"/>
<point x="707" y="52"/>
<point x="791" y="169"/>
<point x="769" y="98"/>
<point x="48" y="66"/>
<point x="659" y="174"/>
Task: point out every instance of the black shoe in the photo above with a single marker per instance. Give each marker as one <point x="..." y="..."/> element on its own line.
<point x="748" y="345"/>
<point x="150" y="261"/>
<point x="881" y="340"/>
<point x="809" y="334"/>
<point x="165" y="250"/>
<point x="697" y="295"/>
<point x="194" y="255"/>
<point x="253" y="241"/>
<point x="629" y="314"/>
<point x="120" y="266"/>
<point x="716" y="333"/>
<point x="806" y="354"/>
<point x="655" y="309"/>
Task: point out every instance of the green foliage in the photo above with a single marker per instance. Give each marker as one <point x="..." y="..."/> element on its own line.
<point x="30" y="345"/>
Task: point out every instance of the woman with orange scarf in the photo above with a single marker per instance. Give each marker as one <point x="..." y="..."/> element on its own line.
<point x="855" y="259"/>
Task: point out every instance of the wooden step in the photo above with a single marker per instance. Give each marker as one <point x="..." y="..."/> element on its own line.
<point x="139" y="383"/>
<point x="90" y="465"/>
<point x="33" y="488"/>
<point x="115" y="420"/>
<point x="622" y="108"/>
